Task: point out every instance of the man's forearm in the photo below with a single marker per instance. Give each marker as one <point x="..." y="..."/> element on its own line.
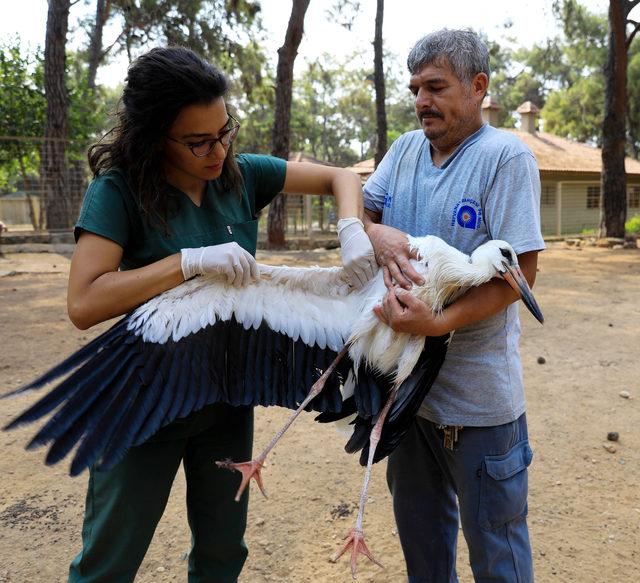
<point x="477" y="304"/>
<point x="487" y="299"/>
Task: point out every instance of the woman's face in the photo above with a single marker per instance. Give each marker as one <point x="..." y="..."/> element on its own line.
<point x="197" y="124"/>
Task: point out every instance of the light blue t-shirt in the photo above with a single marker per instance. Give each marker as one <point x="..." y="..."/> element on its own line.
<point x="489" y="188"/>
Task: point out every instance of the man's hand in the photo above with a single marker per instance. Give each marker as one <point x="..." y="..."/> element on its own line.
<point x="393" y="254"/>
<point x="402" y="312"/>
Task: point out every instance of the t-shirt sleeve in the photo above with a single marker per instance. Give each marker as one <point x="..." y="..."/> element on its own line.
<point x="376" y="187"/>
<point x="264" y="175"/>
<point x="512" y="208"/>
<point x="104" y="212"/>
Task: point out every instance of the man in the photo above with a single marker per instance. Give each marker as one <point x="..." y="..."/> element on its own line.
<point x="467" y="183"/>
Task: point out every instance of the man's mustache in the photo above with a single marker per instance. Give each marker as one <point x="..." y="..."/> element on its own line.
<point x="429" y="113"/>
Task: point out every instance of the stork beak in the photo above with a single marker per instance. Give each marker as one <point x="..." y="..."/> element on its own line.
<point x="515" y="278"/>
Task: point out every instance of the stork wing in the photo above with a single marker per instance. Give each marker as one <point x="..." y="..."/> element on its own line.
<point x="122" y="389"/>
<point x="200" y="343"/>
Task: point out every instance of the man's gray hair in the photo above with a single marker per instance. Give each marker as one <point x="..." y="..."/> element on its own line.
<point x="465" y="52"/>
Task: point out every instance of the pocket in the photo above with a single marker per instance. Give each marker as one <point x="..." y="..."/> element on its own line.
<point x="503" y="486"/>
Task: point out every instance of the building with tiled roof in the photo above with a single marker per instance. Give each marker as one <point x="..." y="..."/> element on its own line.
<point x="570" y="176"/>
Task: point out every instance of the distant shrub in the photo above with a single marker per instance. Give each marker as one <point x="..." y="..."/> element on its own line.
<point x="633" y="224"/>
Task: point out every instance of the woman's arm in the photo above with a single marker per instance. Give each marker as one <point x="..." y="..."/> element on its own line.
<point x="305" y="178"/>
<point x="98" y="291"/>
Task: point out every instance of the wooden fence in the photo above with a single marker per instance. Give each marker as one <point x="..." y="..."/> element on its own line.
<point x="17" y="211"/>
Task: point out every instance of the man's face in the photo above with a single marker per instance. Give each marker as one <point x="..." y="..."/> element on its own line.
<point x="447" y="108"/>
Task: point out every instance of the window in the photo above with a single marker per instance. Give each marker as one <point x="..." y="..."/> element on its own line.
<point x="593" y="197"/>
<point x="634" y="197"/>
<point x="548" y="196"/>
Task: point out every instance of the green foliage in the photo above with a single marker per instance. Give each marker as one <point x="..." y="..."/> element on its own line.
<point x="87" y="112"/>
<point x="333" y="113"/>
<point x="633" y="103"/>
<point x="576" y="108"/>
<point x="401" y="117"/>
<point x="401" y="114"/>
<point x="577" y="111"/>
<point x="253" y="98"/>
<point x="23" y="109"/>
<point x="562" y="76"/>
<point x="585" y="47"/>
<point x="223" y="31"/>
<point x="511" y="92"/>
<point x="633" y="225"/>
<point x="328" y="99"/>
<point x="517" y="76"/>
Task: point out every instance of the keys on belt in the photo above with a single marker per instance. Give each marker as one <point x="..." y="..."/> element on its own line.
<point x="450" y="437"/>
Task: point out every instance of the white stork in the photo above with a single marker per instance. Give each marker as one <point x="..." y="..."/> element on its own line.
<point x="264" y="344"/>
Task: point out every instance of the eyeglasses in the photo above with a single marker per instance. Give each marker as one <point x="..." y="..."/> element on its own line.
<point x="203" y="148"/>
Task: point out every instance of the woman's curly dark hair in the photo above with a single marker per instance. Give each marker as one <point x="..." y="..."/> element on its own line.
<point x="158" y="86"/>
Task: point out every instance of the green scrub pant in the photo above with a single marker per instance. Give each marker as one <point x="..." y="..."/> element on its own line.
<point x="125" y="503"/>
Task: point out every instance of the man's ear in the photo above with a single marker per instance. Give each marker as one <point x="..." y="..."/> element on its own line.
<point x="479" y="85"/>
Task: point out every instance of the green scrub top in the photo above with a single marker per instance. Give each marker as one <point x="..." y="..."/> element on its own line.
<point x="110" y="209"/>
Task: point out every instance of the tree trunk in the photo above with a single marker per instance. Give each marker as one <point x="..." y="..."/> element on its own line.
<point x="378" y="75"/>
<point x="27" y="190"/>
<point x="284" y="81"/>
<point x="95" y="46"/>
<point x="53" y="165"/>
<point x="613" y="210"/>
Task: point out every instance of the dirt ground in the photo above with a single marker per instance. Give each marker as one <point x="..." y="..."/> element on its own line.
<point x="584" y="507"/>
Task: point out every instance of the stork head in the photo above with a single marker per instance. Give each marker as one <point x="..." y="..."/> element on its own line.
<point x="499" y="258"/>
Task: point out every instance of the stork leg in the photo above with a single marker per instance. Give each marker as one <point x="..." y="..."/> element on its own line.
<point x="253" y="468"/>
<point x="355" y="537"/>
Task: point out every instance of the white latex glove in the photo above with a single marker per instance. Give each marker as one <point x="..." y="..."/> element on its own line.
<point x="228" y="259"/>
<point x="358" y="257"/>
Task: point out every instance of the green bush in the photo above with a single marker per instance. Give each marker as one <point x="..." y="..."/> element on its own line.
<point x="633" y="225"/>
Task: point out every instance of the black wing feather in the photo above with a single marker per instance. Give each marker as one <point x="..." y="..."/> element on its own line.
<point x="83" y="424"/>
<point x="104" y="420"/>
<point x="76" y="359"/>
<point x="411" y="395"/>
<point x="78" y="399"/>
<point x="80" y="386"/>
<point x="149" y="394"/>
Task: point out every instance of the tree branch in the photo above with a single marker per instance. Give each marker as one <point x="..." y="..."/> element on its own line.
<point x="514" y="78"/>
<point x="105" y="52"/>
<point x="633" y="32"/>
<point x="632" y="4"/>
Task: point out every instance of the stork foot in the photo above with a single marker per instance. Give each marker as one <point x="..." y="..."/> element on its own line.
<point x="248" y="470"/>
<point x="355" y="541"/>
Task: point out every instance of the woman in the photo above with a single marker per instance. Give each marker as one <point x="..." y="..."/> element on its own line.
<point x="169" y="201"/>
